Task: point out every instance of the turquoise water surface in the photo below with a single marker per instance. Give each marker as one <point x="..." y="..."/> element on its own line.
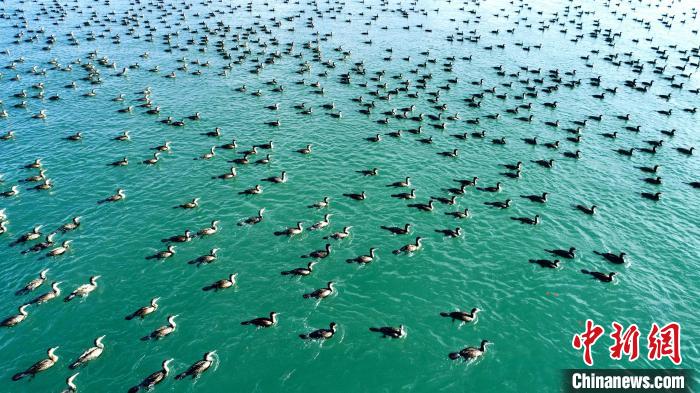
<point x="530" y="314"/>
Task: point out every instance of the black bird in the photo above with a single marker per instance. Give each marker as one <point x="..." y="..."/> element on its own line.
<point x="528" y="220"/>
<point x="546" y="263"/>
<point x="568" y="254"/>
<point x="398" y="230"/>
<point x="588" y="210"/>
<point x="537" y="198"/>
<point x="654" y="197"/>
<point x="501" y="205"/>
<point x="321" y="334"/>
<point x="358" y="197"/>
<point x="602" y="277"/>
<point x="614" y="258"/>
<point x="390" y="331"/>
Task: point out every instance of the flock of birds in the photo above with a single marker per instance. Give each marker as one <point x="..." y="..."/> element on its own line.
<point x="254" y="47"/>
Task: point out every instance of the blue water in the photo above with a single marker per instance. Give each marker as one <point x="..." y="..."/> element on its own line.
<point x="529" y="313"/>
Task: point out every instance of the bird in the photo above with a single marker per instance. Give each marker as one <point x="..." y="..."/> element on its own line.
<point x="409" y="248"/>
<point x="568" y="254"/>
<point x="16" y="319"/>
<point x="90" y="354"/>
<point x="34" y="283"/>
<point x="406" y="229"/>
<point x="291" y="231"/>
<point x="199" y="367"/>
<point x="162" y="331"/>
<point x="145" y="310"/>
<point x="321" y="334"/>
<point x="470" y="353"/>
<point x="528" y="220"/>
<point x="587" y="210"/>
<point x="390" y="331"/>
<point x="41" y="365"/>
<point x="60" y="250"/>
<point x="546" y="263"/>
<point x="321" y="293"/>
<point x="602" y="277"/>
<point x="340" y="235"/>
<point x="70" y="385"/>
<point x="194" y="203"/>
<point x="83" y="290"/>
<point x="253" y="219"/>
<point x="222" y="284"/>
<point x="263" y="321"/>
<point x="363" y="259"/>
<point x="118" y="196"/>
<point x="462" y="315"/>
<point x="611" y="257"/>
<point x="153" y="379"/>
<point x="167" y="253"/>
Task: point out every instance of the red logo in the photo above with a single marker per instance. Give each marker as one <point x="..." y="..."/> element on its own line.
<point x="663" y="342"/>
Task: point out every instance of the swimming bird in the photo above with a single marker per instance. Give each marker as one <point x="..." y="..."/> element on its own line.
<point x="301" y="271"/>
<point x="470" y="353"/>
<point x="34" y="234"/>
<point x="60" y="250"/>
<point x="199" y="367"/>
<point x="282" y="178"/>
<point x="186" y="237"/>
<point x="652" y="196"/>
<point x="305" y="150"/>
<point x="398" y="230"/>
<point x="321" y="204"/>
<point x="321" y="293"/>
<point x="70" y="385"/>
<point x="340" y="235"/>
<point x="83" y="290"/>
<point x="167" y="253"/>
<point x="162" y="331"/>
<point x="291" y="231"/>
<point x="390" y="331"/>
<point x="602" y="277"/>
<point x="145" y="310"/>
<point x="614" y="258"/>
<point x="321" y="334"/>
<point x="45" y="297"/>
<point x="369" y="172"/>
<point x="462" y="315"/>
<point x="358" y="197"/>
<point x="262" y="321"/>
<point x="405" y="195"/>
<point x="194" y="203"/>
<point x="545" y="163"/>
<point x="154" y="160"/>
<point x="13" y="191"/>
<point x="457" y="232"/>
<point x="41" y="365"/>
<point x="154" y="379"/>
<point x="33" y="284"/>
<point x="256" y="190"/>
<point x="588" y="210"/>
<point x="214" y="228"/>
<point x="321" y="224"/>
<point x="90" y="354"/>
<point x="254" y="219"/>
<point x="498" y="204"/>
<point x="222" y="284"/>
<point x="528" y="220"/>
<point x="685" y="150"/>
<point x="424" y="206"/>
<point x="363" y="259"/>
<point x="546" y="263"/>
<point x="114" y="198"/>
<point x="16" y="319"/>
<point x="409" y="248"/>
<point x="404" y="183"/>
<point x="537" y="198"/>
<point x="73" y="225"/>
<point x="205" y="259"/>
<point x="568" y="254"/>
<point x="123" y="162"/>
<point x="319" y="254"/>
<point x="496" y="188"/>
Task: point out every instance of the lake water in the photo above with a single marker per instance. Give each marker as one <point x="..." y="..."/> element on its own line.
<point x="529" y="313"/>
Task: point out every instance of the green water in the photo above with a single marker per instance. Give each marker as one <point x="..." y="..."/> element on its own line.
<point x="529" y="313"/>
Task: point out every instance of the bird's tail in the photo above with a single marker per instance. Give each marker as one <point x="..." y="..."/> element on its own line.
<point x="135" y="389"/>
<point x="245" y="323"/>
<point x="584" y="271"/>
<point x="444" y="314"/>
<point x="129" y="317"/>
<point x="306" y="296"/>
<point x="69" y="298"/>
<point x="597" y="252"/>
<point x="208" y="288"/>
<point x="532" y="261"/>
<point x="181" y="375"/>
<point x="151" y="257"/>
<point x="74" y="365"/>
<point x="279" y="233"/>
<point x="374" y="329"/>
<point x="396" y="252"/>
<point x="146" y="338"/>
<point x="454" y="355"/>
<point x="305" y="256"/>
<point x="19" y="376"/>
<point x="303" y="336"/>
<point x="21" y="291"/>
<point x="285" y="273"/>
